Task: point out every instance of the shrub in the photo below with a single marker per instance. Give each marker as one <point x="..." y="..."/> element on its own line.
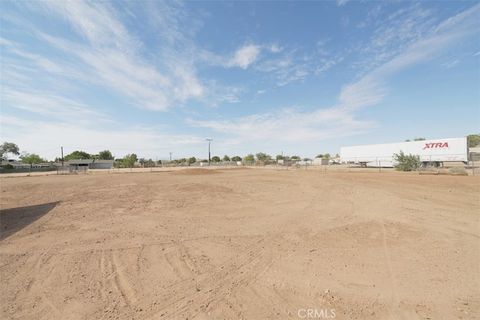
<point x="405" y="162"/>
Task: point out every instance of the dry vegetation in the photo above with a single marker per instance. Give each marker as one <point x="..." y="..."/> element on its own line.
<point x="233" y="244"/>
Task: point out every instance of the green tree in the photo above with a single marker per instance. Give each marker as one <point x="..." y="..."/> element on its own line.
<point x="226" y="158"/>
<point x="236" y="158"/>
<point x="8" y="147"/>
<point x="419" y="139"/>
<point x="129" y="160"/>
<point x="326" y="156"/>
<point x="118" y="163"/>
<point x="249" y="158"/>
<point x="105" y="155"/>
<point x="473" y="140"/>
<point x="216" y="159"/>
<point x="319" y="155"/>
<point x="142" y="161"/>
<point x="295" y="158"/>
<point x="405" y="162"/>
<point x="279" y="157"/>
<point x="192" y="160"/>
<point x="31" y="159"/>
<point x="263" y="157"/>
<point x="76" y="155"/>
<point x="149" y="163"/>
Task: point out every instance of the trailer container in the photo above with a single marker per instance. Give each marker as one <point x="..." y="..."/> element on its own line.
<point x="431" y="152"/>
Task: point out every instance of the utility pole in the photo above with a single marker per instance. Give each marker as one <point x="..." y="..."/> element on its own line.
<point x="170" y="157"/>
<point x="209" y="141"/>
<point x="62" y="155"/>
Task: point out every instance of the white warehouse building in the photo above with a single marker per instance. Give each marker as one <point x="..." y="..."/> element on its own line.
<point x="437" y="151"/>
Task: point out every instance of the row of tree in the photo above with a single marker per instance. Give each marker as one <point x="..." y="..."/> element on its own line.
<point x="77" y="155"/>
<point x="11" y="148"/>
<point x="129" y="161"/>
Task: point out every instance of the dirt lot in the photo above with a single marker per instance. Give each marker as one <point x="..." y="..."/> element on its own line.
<point x="240" y="244"/>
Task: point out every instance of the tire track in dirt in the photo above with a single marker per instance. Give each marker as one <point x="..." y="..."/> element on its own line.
<point x="37" y="270"/>
<point x="121" y="281"/>
<point x="103" y="286"/>
<point x="396" y="312"/>
<point x="219" y="282"/>
<point x="117" y="294"/>
<point x="238" y="272"/>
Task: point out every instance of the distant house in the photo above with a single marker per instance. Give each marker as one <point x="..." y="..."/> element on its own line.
<point x="89" y="163"/>
<point x="15" y="164"/>
<point x="320" y="161"/>
<point x="20" y="165"/>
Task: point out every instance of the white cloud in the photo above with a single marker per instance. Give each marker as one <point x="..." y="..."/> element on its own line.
<point x="45" y="139"/>
<point x="297" y="126"/>
<point x="51" y="105"/>
<point x="275" y="48"/>
<point x="451" y="64"/>
<point x="341" y="3"/>
<point x="289" y="129"/>
<point x="219" y="94"/>
<point x="96" y="22"/>
<point x="326" y="64"/>
<point x="392" y="34"/>
<point x="245" y="56"/>
<point x="112" y="57"/>
<point x="363" y="93"/>
<point x="287" y="68"/>
<point x="371" y="88"/>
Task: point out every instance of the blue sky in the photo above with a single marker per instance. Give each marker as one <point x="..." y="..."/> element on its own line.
<point x="294" y="77"/>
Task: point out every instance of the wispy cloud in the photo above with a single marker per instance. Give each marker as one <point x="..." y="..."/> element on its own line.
<point x="245" y="56"/>
<point x="451" y="64"/>
<point x="290" y="66"/>
<point x="392" y="34"/>
<point x="109" y="55"/>
<point x="52" y="106"/>
<point x="287" y="125"/>
<point x="45" y="138"/>
<point x="104" y="49"/>
<point x="295" y="125"/>
<point x="371" y="88"/>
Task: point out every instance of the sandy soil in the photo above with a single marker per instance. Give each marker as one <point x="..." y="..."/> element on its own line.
<point x="240" y="244"/>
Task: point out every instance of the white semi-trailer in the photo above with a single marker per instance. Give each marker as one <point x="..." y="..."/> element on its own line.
<point x="433" y="152"/>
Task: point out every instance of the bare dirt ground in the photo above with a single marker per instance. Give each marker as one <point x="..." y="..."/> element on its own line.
<point x="240" y="244"/>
